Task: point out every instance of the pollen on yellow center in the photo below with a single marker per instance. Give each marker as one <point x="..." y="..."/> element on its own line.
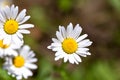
<point x="18" y="61"/>
<point x="11" y="26"/>
<point x="69" y="45"/>
<point x="4" y="46"/>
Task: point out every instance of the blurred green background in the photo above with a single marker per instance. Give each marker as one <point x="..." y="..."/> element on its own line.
<point x="100" y="19"/>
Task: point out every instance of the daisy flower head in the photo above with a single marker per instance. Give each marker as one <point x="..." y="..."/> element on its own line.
<point x="12" y="24"/>
<point x="8" y="49"/>
<point x="20" y="65"/>
<point x="69" y="45"/>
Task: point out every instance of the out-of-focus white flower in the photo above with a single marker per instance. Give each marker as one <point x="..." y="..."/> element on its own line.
<point x="20" y="65"/>
<point x="11" y="24"/>
<point x="69" y="44"/>
<point x="3" y="3"/>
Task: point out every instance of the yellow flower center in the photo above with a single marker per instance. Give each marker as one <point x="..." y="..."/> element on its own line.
<point x="69" y="45"/>
<point x="4" y="46"/>
<point x="11" y="26"/>
<point x="18" y="61"/>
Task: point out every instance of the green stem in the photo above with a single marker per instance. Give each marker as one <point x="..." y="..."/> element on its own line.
<point x="63" y="71"/>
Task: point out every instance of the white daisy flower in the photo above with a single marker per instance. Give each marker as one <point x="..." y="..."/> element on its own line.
<point x="8" y="49"/>
<point x="69" y="44"/>
<point x="11" y="24"/>
<point x="20" y="65"/>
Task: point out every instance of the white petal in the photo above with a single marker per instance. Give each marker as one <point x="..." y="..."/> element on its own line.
<point x="55" y="40"/>
<point x="83" y="55"/>
<point x="17" y="40"/>
<point x="25" y="49"/>
<point x="49" y="47"/>
<point x="80" y="52"/>
<point x="19" y="77"/>
<point x="71" y="59"/>
<point x="62" y="31"/>
<point x="56" y="48"/>
<point x="81" y="37"/>
<point x="77" y="58"/>
<point x="3" y="15"/>
<point x="56" y="44"/>
<point x="19" y="35"/>
<point x="24" y="31"/>
<point x="31" y="54"/>
<point x="7" y="12"/>
<point x="57" y="53"/>
<point x="14" y="12"/>
<point x="30" y="66"/>
<point x="1" y="35"/>
<point x="15" y="46"/>
<point x="83" y="49"/>
<point x="11" y="10"/>
<point x="77" y="31"/>
<point x="1" y="25"/>
<point x="21" y="15"/>
<point x="66" y="58"/>
<point x="27" y="73"/>
<point x="59" y="36"/>
<point x="7" y="39"/>
<point x="2" y="19"/>
<point x="10" y="52"/>
<point x="85" y="44"/>
<point x="23" y="26"/>
<point x="32" y="60"/>
<point x="25" y="19"/>
<point x="13" y="75"/>
<point x="59" y="57"/>
<point x="1" y="53"/>
<point x="69" y="30"/>
<point x="88" y="53"/>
